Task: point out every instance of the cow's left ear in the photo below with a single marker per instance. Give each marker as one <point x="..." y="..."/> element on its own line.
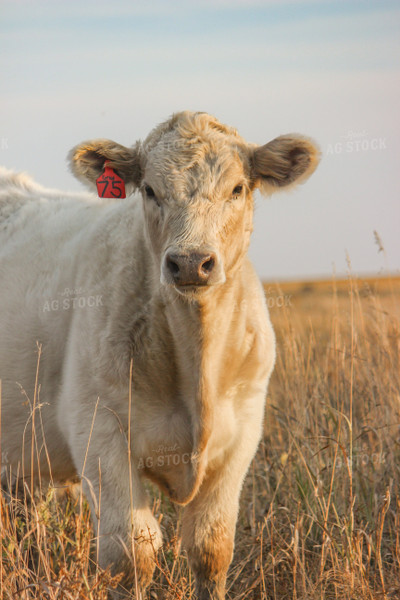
<point x="87" y="162"/>
<point x="285" y="161"/>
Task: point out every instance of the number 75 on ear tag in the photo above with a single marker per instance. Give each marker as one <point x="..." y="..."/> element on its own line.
<point x="109" y="184"/>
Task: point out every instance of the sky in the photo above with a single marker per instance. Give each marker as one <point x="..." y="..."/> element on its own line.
<point x="329" y="69"/>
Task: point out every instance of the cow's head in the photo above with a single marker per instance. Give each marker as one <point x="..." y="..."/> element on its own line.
<point x="196" y="177"/>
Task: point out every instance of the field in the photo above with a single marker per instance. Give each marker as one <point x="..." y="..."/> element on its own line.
<point x="320" y="508"/>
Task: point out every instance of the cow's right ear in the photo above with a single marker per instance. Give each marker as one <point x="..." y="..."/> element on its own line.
<point x="87" y="162"/>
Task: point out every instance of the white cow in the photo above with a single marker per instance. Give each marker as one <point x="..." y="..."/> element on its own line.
<point x="151" y="333"/>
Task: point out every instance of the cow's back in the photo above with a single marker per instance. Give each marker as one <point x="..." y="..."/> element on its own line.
<point x="51" y="249"/>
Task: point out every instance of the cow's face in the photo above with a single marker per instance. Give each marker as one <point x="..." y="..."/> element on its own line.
<point x="196" y="177"/>
<point x="198" y="204"/>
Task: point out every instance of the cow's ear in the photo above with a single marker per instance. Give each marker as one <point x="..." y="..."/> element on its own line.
<point x="87" y="161"/>
<point x="285" y="161"/>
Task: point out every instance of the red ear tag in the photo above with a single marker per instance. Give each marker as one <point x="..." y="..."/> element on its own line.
<point x="109" y="184"/>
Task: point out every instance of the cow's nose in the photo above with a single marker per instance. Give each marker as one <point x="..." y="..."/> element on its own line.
<point x="192" y="268"/>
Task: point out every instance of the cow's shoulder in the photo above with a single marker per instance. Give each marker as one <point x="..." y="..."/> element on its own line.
<point x="253" y="309"/>
<point x="250" y="292"/>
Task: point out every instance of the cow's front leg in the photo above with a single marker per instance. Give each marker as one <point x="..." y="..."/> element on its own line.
<point x="208" y="536"/>
<point x="128" y="533"/>
<point x="209" y="521"/>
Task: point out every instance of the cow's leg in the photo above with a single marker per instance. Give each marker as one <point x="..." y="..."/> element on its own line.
<point x="209" y="521"/>
<point x="128" y="533"/>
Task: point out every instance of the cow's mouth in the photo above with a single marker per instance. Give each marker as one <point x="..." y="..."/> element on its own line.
<point x="188" y="289"/>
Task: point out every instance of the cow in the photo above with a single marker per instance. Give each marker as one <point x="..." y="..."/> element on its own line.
<point x="134" y="334"/>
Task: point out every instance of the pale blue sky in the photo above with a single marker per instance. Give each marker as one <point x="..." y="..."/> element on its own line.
<point x="329" y="69"/>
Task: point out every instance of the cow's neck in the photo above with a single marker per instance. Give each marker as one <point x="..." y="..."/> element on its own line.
<point x="200" y="332"/>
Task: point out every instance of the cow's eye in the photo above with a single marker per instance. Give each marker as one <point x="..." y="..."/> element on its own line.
<point x="237" y="190"/>
<point x="149" y="191"/>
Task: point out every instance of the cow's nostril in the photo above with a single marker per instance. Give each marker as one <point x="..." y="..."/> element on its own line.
<point x="208" y="265"/>
<point x="172" y="266"/>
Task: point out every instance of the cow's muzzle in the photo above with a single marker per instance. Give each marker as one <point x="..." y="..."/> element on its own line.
<point x="188" y="269"/>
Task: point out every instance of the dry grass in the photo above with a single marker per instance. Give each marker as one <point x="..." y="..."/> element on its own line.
<point x="320" y="509"/>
